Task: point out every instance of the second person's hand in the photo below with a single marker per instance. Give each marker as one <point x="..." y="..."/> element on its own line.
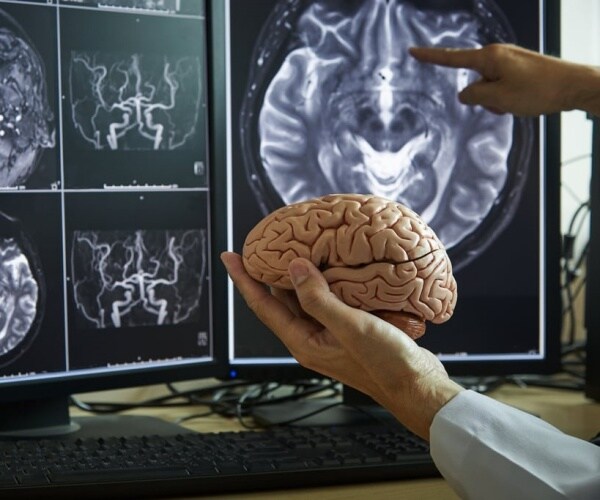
<point x="520" y="81"/>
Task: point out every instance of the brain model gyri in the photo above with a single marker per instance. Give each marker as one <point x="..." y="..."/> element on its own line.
<point x="375" y="253"/>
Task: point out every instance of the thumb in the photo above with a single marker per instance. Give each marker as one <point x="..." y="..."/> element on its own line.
<point x="316" y="299"/>
<point x="353" y="328"/>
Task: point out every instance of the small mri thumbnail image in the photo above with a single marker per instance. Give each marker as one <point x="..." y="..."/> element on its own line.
<point x="134" y="107"/>
<point x="135" y="101"/>
<point x="27" y="74"/>
<point x="22" y="289"/>
<point x="138" y="278"/>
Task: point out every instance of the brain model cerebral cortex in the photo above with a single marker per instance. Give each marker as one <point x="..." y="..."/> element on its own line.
<point x="376" y="255"/>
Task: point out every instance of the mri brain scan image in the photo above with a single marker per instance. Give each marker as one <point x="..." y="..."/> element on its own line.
<point x="335" y="104"/>
<point x="138" y="278"/>
<point x="26" y="120"/>
<point x="22" y="290"/>
<point x="18" y="295"/>
<point x="136" y="101"/>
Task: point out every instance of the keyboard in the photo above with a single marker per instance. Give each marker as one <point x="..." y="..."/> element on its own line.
<point x="210" y="463"/>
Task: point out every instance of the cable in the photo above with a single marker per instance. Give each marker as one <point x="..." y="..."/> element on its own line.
<point x="223" y="398"/>
<point x="189" y="397"/>
<point x="574" y="159"/>
<point x="570" y="273"/>
<point x="263" y="394"/>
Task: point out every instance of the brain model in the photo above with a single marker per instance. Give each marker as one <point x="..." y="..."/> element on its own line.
<point x="376" y="255"/>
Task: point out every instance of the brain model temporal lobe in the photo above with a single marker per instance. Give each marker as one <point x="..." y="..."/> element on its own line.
<point x="376" y="255"/>
<point x="139" y="278"/>
<point x="26" y="121"/>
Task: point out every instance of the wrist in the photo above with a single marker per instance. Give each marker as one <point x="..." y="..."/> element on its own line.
<point x="418" y="411"/>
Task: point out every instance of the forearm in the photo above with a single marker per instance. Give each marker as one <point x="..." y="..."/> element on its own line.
<point x="583" y="92"/>
<point x="417" y="410"/>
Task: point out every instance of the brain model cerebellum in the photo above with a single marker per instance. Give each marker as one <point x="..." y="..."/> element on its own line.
<point x="376" y="255"/>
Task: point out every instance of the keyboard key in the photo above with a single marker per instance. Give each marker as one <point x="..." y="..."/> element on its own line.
<point x="259" y="466"/>
<point x="34" y="478"/>
<point x="231" y="468"/>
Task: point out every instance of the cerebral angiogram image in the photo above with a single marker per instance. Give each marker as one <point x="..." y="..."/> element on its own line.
<point x="27" y="121"/>
<point x="135" y="101"/>
<point x="333" y="103"/>
<point x="138" y="278"/>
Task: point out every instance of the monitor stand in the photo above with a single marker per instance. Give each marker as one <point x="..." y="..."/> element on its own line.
<point x="355" y="408"/>
<point x="49" y="418"/>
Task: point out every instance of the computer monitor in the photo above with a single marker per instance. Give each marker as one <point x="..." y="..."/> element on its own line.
<point x="107" y="265"/>
<point x="322" y="97"/>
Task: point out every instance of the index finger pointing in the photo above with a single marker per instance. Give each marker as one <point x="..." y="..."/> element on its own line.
<point x="453" y="58"/>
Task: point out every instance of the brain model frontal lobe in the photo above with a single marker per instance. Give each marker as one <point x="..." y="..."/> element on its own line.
<point x="376" y="254"/>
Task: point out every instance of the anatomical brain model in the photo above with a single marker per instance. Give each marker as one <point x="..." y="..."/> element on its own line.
<point x="376" y="255"/>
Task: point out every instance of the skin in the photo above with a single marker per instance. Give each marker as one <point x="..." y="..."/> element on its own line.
<point x="361" y="349"/>
<point x="355" y="347"/>
<point x="519" y="81"/>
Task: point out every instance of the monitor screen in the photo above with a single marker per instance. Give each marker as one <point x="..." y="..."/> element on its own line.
<point x="322" y="97"/>
<point x="106" y="246"/>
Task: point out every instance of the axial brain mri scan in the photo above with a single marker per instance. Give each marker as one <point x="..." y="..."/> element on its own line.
<point x="375" y="254"/>
<point x="335" y="104"/>
<point x="22" y="289"/>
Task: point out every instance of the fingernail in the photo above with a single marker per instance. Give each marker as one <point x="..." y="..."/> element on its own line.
<point x="298" y="273"/>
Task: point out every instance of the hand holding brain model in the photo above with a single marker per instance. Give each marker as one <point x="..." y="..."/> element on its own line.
<point x="376" y="255"/>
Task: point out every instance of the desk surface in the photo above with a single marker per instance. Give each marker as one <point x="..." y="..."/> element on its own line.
<point x="569" y="411"/>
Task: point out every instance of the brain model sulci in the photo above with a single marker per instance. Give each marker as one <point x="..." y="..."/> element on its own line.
<point x="376" y="255"/>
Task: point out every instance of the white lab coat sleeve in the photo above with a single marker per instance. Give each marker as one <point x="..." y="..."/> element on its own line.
<point x="489" y="450"/>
